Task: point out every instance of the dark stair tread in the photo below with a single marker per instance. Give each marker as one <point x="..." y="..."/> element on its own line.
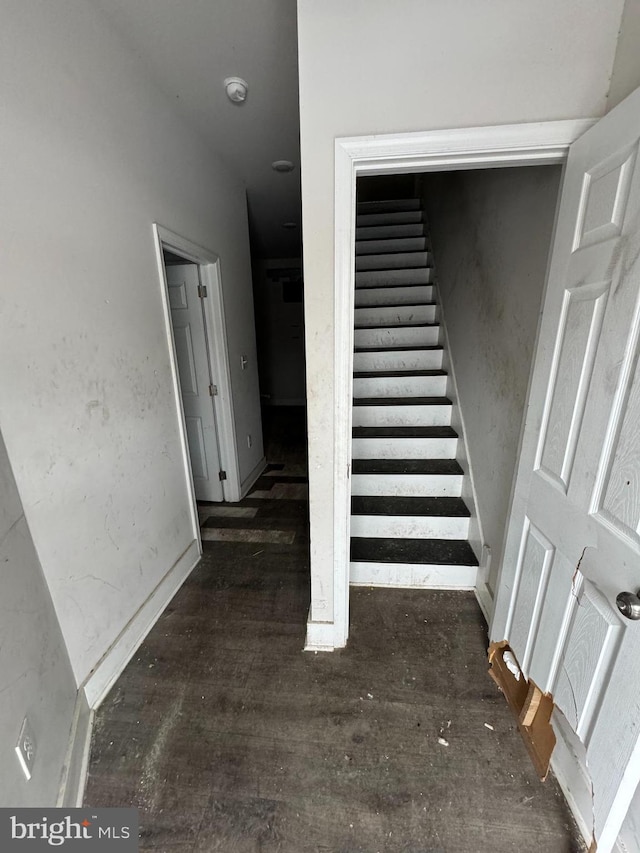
<point x="389" y="205"/>
<point x="403" y="325"/>
<point x="369" y="286"/>
<point x="404" y="432"/>
<point x="398" y="349"/>
<point x="450" y="552"/>
<point x="375" y="374"/>
<point x="401" y="401"/>
<point x="390" y="505"/>
<point x="405" y="466"/>
<point x="395" y="284"/>
<point x="389" y="270"/>
<point x="389" y="251"/>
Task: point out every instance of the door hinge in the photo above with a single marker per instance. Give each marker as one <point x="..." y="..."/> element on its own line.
<point x="222" y="475"/>
<point x="202" y="291"/>
<point x="213" y="390"/>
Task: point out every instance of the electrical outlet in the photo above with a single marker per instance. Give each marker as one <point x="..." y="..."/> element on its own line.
<point x="249" y="441"/>
<point x="26" y="748"/>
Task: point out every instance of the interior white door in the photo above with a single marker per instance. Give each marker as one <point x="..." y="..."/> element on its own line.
<point x="192" y="353"/>
<point x="573" y="538"/>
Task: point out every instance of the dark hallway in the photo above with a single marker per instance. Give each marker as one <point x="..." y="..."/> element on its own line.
<point x="228" y="737"/>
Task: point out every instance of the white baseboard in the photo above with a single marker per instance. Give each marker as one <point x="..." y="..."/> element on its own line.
<point x="485" y="600"/>
<point x="412" y="576"/>
<point x="320" y="637"/>
<point x="76" y="765"/>
<point x="111" y="665"/>
<point x="252" y="477"/>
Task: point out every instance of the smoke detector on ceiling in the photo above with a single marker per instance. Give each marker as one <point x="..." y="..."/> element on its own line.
<point x="282" y="166"/>
<point x="236" y="89"/>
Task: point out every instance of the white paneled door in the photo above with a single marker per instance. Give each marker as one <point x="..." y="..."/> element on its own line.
<point x="573" y="541"/>
<point x="183" y="281"/>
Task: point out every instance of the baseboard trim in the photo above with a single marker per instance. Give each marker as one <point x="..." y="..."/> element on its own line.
<point x="76" y="765"/>
<point x="485" y="600"/>
<point x="321" y="637"/>
<point x="113" y="662"/>
<point x="253" y="476"/>
<point x="413" y="576"/>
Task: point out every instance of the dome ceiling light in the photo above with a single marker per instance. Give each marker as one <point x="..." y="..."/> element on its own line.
<point x="289" y="225"/>
<point x="282" y="166"/>
<point x="236" y="89"/>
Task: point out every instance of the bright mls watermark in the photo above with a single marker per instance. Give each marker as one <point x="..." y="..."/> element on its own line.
<point x="87" y="830"/>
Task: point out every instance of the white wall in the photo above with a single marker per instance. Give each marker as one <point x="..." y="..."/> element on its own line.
<point x="625" y="76"/>
<point x="36" y="678"/>
<point x="91" y="154"/>
<point x="491" y="233"/>
<point x="370" y="66"/>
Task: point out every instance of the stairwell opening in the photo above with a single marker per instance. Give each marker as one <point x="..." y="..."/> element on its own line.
<point x="450" y="271"/>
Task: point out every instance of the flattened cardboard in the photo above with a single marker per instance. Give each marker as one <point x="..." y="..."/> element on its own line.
<point x="531" y="707"/>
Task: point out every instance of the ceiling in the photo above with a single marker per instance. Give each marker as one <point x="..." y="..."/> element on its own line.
<point x="190" y="46"/>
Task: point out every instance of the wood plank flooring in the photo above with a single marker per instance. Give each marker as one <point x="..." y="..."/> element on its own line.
<point x="228" y="737"/>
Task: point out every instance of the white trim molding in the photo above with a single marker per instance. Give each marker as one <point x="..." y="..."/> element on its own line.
<point x="211" y="276"/>
<point x="541" y="143"/>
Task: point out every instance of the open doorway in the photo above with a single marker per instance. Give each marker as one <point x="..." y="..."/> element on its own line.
<point x="449" y="281"/>
<point x="194" y="317"/>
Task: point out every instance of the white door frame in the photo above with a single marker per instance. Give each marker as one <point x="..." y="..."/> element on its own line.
<point x="540" y="143"/>
<point x="210" y="275"/>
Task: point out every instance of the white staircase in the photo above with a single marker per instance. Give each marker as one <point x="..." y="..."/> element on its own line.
<point x="409" y="524"/>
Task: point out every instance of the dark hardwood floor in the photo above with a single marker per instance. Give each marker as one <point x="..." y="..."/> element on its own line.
<point x="228" y="737"/>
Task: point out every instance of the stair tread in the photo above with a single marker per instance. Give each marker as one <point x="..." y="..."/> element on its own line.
<point x="406" y="466"/>
<point x="390" y="505"/>
<point x="411" y="203"/>
<point x="404" y="432"/>
<point x="402" y="401"/>
<point x="403" y="325"/>
<point x="398" y="349"/>
<point x="377" y="374"/>
<point x="423" y="551"/>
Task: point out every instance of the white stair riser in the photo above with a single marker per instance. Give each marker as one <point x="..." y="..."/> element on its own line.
<point x="416" y="295"/>
<point x="395" y="244"/>
<point x="400" y="386"/>
<point x="377" y="315"/>
<point x="394" y="261"/>
<point x="433" y="415"/>
<point x="389" y="232"/>
<point x="396" y="315"/>
<point x="383" y="278"/>
<point x="392" y="205"/>
<point x="414" y="576"/>
<point x="401" y="218"/>
<point x="407" y="336"/>
<point x="398" y="360"/>
<point x="404" y="448"/>
<point x="409" y="527"/>
<point x="407" y="485"/>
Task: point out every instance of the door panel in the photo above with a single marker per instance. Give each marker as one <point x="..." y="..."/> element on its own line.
<point x="194" y="373"/>
<point x="573" y="538"/>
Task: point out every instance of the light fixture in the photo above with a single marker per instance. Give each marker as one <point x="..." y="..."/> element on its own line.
<point x="289" y="225"/>
<point x="236" y="89"/>
<point x="282" y="166"/>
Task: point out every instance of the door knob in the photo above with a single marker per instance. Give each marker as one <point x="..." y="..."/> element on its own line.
<point x="629" y="605"/>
